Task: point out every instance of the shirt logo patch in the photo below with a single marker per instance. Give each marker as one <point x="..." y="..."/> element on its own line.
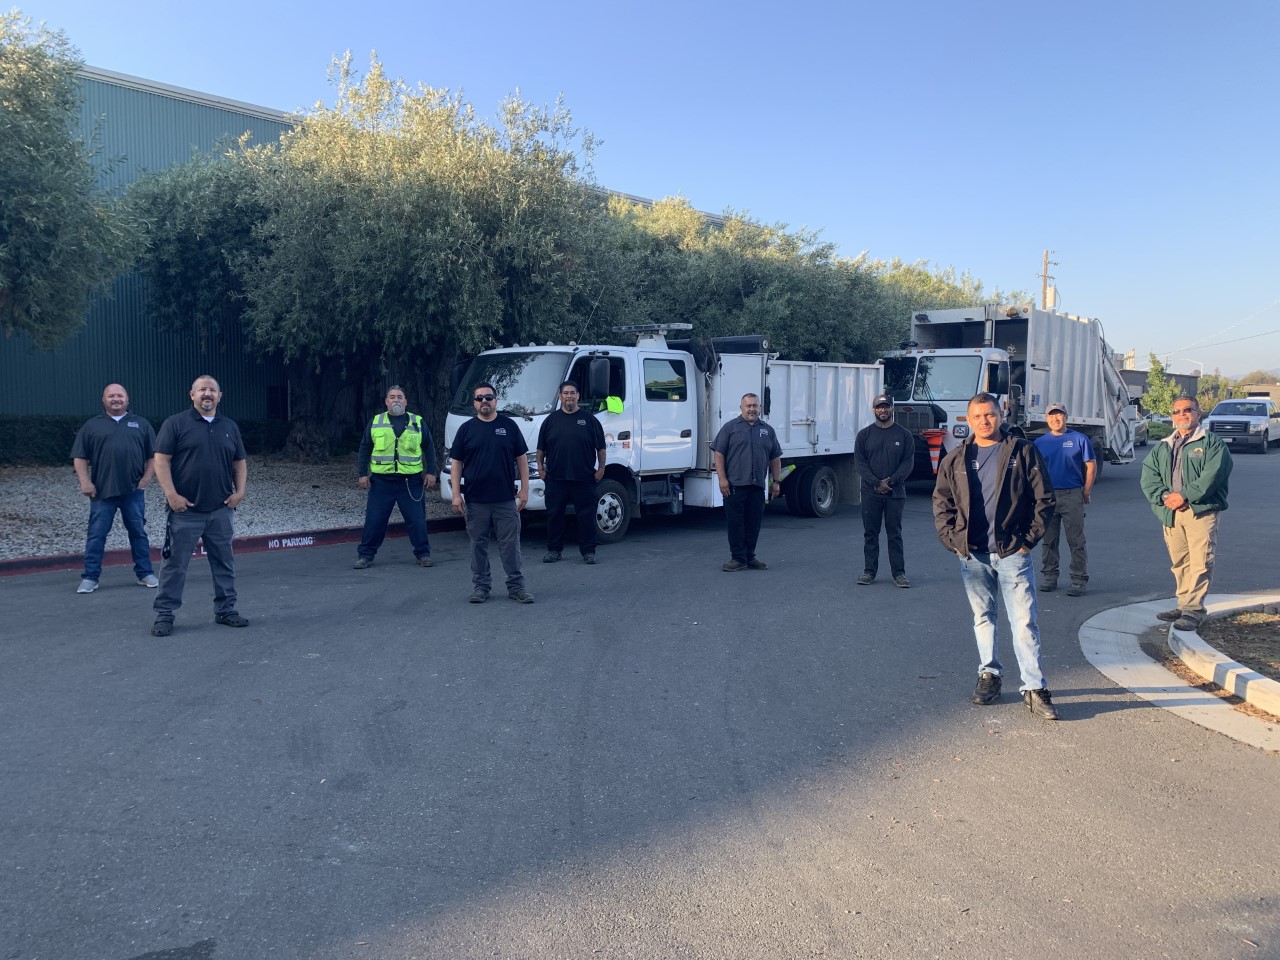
<point x="582" y="423"/>
<point x="500" y="431"/>
<point x="132" y="424"/>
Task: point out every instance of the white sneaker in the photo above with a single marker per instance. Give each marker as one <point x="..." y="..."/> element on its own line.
<point x="87" y="586"/>
<point x="150" y="580"/>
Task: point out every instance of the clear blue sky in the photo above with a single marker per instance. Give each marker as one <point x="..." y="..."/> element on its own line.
<point x="1136" y="140"/>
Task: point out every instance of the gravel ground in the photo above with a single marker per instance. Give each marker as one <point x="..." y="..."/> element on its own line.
<point x="43" y="512"/>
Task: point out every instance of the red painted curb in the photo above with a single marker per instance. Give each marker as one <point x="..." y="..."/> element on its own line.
<point x="257" y="544"/>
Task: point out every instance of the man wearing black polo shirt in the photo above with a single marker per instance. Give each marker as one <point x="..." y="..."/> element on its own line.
<point x="571" y="454"/>
<point x="201" y="467"/>
<point x="112" y="457"/>
<point x="487" y="453"/>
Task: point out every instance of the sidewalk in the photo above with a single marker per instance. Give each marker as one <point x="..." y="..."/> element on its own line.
<point x="1110" y="641"/>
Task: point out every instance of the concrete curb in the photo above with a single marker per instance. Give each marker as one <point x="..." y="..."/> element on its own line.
<point x="256" y="543"/>
<point x="1216" y="667"/>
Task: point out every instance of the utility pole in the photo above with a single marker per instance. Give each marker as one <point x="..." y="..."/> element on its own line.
<point x="1044" y="280"/>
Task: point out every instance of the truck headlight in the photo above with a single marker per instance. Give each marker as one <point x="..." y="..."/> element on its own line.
<point x="1257" y="427"/>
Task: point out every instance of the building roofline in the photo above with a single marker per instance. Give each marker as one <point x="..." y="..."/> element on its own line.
<point x="181" y="93"/>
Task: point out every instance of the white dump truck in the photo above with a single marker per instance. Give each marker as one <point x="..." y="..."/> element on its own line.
<point x="1025" y="357"/>
<point x="662" y="402"/>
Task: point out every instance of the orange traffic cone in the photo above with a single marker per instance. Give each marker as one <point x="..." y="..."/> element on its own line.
<point x="934" y="439"/>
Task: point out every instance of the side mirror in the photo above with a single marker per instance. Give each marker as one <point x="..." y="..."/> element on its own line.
<point x="598" y="378"/>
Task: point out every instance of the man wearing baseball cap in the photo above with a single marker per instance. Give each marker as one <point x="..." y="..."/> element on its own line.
<point x="883" y="455"/>
<point x="1072" y="469"/>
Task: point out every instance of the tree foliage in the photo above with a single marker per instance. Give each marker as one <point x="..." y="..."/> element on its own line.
<point x="389" y="235"/>
<point x="1161" y="391"/>
<point x="60" y="239"/>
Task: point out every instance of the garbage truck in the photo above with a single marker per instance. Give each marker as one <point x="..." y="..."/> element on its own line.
<point x="1027" y="359"/>
<point x="661" y="403"/>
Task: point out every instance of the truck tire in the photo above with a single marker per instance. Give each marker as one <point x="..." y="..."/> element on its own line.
<point x="818" y="491"/>
<point x="613" y="511"/>
<point x="1265" y="446"/>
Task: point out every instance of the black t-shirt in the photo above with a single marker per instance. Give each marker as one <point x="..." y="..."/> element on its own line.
<point x="570" y="442"/>
<point x="488" y="451"/>
<point x="117" y="452"/>
<point x="203" y="454"/>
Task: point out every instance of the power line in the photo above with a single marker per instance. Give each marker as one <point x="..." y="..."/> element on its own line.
<point x="1202" y="342"/>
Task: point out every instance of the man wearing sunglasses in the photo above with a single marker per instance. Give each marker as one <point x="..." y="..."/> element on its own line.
<point x="488" y="452"/>
<point x="1185" y="479"/>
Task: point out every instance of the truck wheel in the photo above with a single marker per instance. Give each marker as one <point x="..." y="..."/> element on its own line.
<point x="613" y="511"/>
<point x="819" y="491"/>
<point x="1265" y="446"/>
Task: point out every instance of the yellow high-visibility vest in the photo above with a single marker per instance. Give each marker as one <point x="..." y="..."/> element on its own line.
<point x="392" y="454"/>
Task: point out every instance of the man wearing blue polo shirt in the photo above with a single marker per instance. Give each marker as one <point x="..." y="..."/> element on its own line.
<point x="1072" y="469"/>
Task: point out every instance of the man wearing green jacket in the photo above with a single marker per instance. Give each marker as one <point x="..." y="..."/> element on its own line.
<point x="1185" y="478"/>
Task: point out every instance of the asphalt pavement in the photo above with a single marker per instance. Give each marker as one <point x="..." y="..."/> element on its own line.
<point x="656" y="759"/>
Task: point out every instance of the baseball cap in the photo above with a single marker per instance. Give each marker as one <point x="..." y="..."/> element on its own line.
<point x="884" y="400"/>
<point x="1056" y="408"/>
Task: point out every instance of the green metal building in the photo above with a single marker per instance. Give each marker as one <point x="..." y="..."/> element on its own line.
<point x="149" y="126"/>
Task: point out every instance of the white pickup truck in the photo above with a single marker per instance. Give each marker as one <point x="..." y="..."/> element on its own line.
<point x="1246" y="422"/>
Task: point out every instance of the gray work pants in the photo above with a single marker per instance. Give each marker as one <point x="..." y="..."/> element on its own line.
<point x="215" y="530"/>
<point x="1068" y="513"/>
<point x="500" y="521"/>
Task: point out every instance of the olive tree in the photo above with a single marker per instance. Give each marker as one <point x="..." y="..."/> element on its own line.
<point x="61" y="240"/>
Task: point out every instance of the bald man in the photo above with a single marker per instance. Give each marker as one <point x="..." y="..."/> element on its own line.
<point x="113" y="458"/>
<point x="201" y="466"/>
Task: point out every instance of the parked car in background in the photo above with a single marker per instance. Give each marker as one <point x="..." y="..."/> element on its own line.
<point x="1141" y="432"/>
<point x="1252" y="422"/>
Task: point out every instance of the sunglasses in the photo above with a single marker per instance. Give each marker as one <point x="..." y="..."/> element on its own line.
<point x="483" y="397"/>
<point x="1184" y="410"/>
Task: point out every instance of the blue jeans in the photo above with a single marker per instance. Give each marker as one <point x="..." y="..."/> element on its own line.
<point x="1015" y="576"/>
<point x="102" y="514"/>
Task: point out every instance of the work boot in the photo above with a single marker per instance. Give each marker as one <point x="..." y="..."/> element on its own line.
<point x="478" y="596"/>
<point x="521" y="596"/>
<point x="754" y="564"/>
<point x="588" y="558"/>
<point x="733" y="566"/>
<point x="1049" y="585"/>
<point x="1188" y="621"/>
<point x="553" y="556"/>
<point x="1040" y="702"/>
<point x="1168" y="616"/>
<point x="987" y="691"/>
<point x="425" y="562"/>
<point x="901" y="581"/>
<point x="362" y="563"/>
<point x="866" y="578"/>
<point x="1075" y="590"/>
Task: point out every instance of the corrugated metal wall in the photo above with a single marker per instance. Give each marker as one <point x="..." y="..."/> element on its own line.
<point x="152" y="127"/>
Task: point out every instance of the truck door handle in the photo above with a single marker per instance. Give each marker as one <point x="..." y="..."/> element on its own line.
<point x="685" y="434"/>
<point x="624" y="435"/>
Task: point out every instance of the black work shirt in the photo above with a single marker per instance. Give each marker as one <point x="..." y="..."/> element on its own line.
<point x="571" y="442"/>
<point x="884" y="453"/>
<point x="488" y="451"/>
<point x="117" y="452"/>
<point x="203" y="456"/>
<point x="748" y="450"/>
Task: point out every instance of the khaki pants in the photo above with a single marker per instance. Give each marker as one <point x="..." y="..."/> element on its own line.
<point x="1192" y="542"/>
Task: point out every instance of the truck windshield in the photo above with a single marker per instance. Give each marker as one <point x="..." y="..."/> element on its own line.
<point x="929" y="378"/>
<point x="947" y="378"/>
<point x="1239" y="410"/>
<point x="526" y="383"/>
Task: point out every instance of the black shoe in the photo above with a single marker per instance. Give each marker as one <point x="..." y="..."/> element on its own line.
<point x="754" y="564"/>
<point x="733" y="566"/>
<point x="588" y="558"/>
<point x="1075" y="590"/>
<point x="162" y="628"/>
<point x="553" y="556"/>
<point x="362" y="563"/>
<point x="1040" y="702"/>
<point x="425" y="562"/>
<point x="1049" y="586"/>
<point x="478" y="596"/>
<point x="1168" y="616"/>
<point x="987" y="691"/>
<point x="901" y="581"/>
<point x="231" y="619"/>
<point x="1188" y="621"/>
<point x="521" y="596"/>
<point x="866" y="578"/>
